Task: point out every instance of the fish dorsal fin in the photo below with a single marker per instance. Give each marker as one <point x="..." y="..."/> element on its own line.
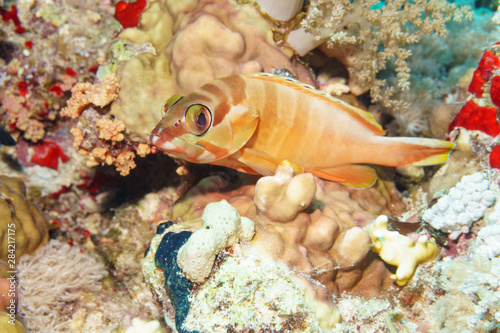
<point x="363" y="116"/>
<point x="353" y="175"/>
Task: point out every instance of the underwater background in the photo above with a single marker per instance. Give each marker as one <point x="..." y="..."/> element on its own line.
<point x="102" y="232"/>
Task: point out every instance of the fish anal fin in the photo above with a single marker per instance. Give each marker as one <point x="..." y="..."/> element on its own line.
<point x="353" y="175"/>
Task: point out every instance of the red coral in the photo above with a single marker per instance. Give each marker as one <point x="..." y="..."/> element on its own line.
<point x="93" y="69"/>
<point x="474" y="117"/>
<point x="48" y="153"/>
<point x="23" y="88"/>
<point x="495" y="90"/>
<point x="488" y="64"/>
<point x="128" y="13"/>
<point x="11" y="15"/>
<point x="56" y="90"/>
<point x="69" y="71"/>
<point x="28" y="44"/>
<point x="495" y="158"/>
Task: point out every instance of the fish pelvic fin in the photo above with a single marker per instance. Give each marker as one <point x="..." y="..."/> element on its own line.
<point x="416" y="151"/>
<point x="353" y="175"/>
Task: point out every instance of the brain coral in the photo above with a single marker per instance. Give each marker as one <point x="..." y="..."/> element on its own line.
<point x="193" y="43"/>
<point x="20" y="221"/>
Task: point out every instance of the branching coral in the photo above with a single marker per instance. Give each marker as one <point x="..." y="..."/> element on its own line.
<point x="401" y="251"/>
<point x="100" y="94"/>
<point x="366" y="35"/>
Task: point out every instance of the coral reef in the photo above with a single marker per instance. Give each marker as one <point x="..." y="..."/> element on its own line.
<point x="323" y="237"/>
<point x="364" y="35"/>
<point x="23" y="228"/>
<point x="312" y="263"/>
<point x="53" y="50"/>
<point x="51" y="279"/>
<point x="401" y="251"/>
<point x="465" y="203"/>
<point x="479" y="113"/>
<point x="471" y="294"/>
<point x="222" y="227"/>
<point x="200" y="41"/>
<point x="323" y="246"/>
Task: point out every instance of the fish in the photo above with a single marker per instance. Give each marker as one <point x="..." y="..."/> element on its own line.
<point x="253" y="122"/>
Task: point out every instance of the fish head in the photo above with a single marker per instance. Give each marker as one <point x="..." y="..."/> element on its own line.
<point x="201" y="130"/>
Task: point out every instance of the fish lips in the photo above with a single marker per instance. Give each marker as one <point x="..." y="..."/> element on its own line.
<point x="163" y="144"/>
<point x="176" y="147"/>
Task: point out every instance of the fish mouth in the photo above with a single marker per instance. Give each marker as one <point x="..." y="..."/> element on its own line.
<point x="163" y="144"/>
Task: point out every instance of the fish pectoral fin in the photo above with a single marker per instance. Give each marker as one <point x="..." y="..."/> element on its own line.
<point x="243" y="121"/>
<point x="230" y="162"/>
<point x="258" y="161"/>
<point x="352" y="175"/>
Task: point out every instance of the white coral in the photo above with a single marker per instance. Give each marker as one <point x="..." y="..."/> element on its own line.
<point x="455" y="212"/>
<point x="488" y="238"/>
<point x="222" y="227"/>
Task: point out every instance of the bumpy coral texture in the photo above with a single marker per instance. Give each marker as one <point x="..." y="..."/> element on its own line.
<point x="365" y="34"/>
<point x="222" y="227"/>
<point x="22" y="226"/>
<point x="251" y="292"/>
<point x="465" y="203"/>
<point x="58" y="44"/>
<point x="193" y="43"/>
<point x="488" y="237"/>
<point x="401" y="251"/>
<point x="320" y="237"/>
<point x="471" y="300"/>
<point x="45" y="295"/>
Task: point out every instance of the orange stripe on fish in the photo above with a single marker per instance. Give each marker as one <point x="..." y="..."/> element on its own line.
<point x="252" y="122"/>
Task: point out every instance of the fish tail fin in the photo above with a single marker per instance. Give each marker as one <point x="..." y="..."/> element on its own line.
<point x="415" y="151"/>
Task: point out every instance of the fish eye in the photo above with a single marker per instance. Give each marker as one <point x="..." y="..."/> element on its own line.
<point x="198" y="119"/>
<point x="171" y="102"/>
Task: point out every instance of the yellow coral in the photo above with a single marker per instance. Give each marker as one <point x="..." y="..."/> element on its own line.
<point x="83" y="94"/>
<point x="23" y="228"/>
<point x="111" y="130"/>
<point x="401" y="251"/>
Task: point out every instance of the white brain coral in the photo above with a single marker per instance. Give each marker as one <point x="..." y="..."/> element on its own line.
<point x="465" y="203"/>
<point x="222" y="227"/>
